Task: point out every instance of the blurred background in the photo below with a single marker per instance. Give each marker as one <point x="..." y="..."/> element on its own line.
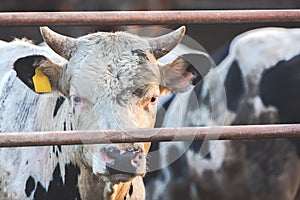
<point x="211" y="37"/>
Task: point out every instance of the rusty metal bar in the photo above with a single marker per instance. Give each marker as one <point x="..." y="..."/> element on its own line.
<point x="147" y="17"/>
<point x="146" y="135"/>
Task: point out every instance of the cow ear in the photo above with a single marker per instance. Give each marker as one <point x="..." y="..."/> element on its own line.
<point x="39" y="73"/>
<point x="175" y="77"/>
<point x="184" y="71"/>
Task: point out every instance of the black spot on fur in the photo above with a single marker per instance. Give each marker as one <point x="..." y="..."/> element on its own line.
<point x="58" y="104"/>
<point x="25" y="68"/>
<point x="65" y="126"/>
<point x="131" y="190"/>
<point x="234" y="87"/>
<point x="30" y="185"/>
<point x="56" y="185"/>
<point x="71" y="180"/>
<point x="57" y="189"/>
<point x="196" y="146"/>
<point x="56" y="149"/>
<point x="40" y="192"/>
<point x="280" y="87"/>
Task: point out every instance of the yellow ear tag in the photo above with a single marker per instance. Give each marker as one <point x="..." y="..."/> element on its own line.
<point x="41" y="82"/>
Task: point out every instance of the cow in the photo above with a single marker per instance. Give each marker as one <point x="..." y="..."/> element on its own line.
<point x="256" y="83"/>
<point x="99" y="81"/>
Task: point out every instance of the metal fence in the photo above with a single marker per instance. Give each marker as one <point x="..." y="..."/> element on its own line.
<point x="147" y="18"/>
<point x="146" y="135"/>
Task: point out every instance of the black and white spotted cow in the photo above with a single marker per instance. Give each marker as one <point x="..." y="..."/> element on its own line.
<point x="256" y="83"/>
<point x="98" y="81"/>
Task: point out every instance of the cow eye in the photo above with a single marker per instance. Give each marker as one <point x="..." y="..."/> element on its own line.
<point x="153" y="99"/>
<point x="76" y="99"/>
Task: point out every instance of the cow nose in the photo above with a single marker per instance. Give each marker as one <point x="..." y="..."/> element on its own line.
<point x="125" y="162"/>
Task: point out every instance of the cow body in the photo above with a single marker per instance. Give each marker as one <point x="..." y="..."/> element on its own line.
<point x="235" y="93"/>
<point x="99" y="81"/>
<point x="16" y="98"/>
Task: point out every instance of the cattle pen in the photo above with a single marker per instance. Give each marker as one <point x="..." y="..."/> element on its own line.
<point x="148" y="18"/>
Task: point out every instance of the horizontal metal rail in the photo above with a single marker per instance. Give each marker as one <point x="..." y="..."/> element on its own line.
<point x="147" y="17"/>
<point x="149" y="135"/>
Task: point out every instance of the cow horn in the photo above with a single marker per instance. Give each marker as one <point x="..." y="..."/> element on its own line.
<point x="163" y="44"/>
<point x="61" y="44"/>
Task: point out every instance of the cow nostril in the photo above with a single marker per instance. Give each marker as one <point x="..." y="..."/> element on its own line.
<point x="110" y="154"/>
<point x="134" y="163"/>
<point x="136" y="159"/>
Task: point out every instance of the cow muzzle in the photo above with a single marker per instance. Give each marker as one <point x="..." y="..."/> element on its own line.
<point x="122" y="165"/>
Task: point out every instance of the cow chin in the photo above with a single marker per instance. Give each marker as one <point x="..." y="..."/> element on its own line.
<point x="117" y="178"/>
<point x="120" y="177"/>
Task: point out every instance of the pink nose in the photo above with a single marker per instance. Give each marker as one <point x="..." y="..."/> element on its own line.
<point x="127" y="162"/>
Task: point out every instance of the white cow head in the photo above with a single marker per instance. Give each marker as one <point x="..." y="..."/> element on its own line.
<point x="113" y="81"/>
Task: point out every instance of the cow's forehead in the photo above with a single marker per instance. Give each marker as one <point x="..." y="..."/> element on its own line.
<point x="112" y="42"/>
<point x="117" y="63"/>
<point x="98" y="50"/>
